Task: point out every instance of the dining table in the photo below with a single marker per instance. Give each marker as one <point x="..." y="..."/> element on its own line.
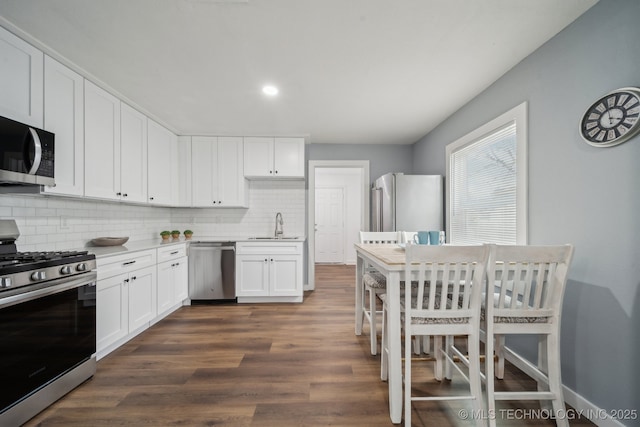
<point x="389" y="260"/>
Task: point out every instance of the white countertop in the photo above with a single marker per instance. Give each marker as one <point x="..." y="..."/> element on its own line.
<point x="141" y="245"/>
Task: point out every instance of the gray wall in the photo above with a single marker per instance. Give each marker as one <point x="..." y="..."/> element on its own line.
<point x="382" y="158"/>
<point x="577" y="193"/>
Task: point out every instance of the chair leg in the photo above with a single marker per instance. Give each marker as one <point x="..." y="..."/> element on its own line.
<point x="475" y="383"/>
<point x="555" y="378"/>
<point x="499" y="346"/>
<point x="407" y="378"/>
<point x="447" y="360"/>
<point x="489" y="367"/>
<point x="426" y="344"/>
<point x="384" y="356"/>
<point x="437" y="351"/>
<point x="363" y="305"/>
<point x="543" y="366"/>
<point x="373" y="327"/>
<point x="417" y="349"/>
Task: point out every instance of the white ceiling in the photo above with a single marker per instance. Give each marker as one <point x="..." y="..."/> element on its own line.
<point x="349" y="71"/>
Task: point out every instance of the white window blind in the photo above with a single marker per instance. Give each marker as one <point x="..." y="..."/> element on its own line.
<point x="487" y="183"/>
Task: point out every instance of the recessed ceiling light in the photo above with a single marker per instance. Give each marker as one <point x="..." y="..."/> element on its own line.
<point x="270" y="90"/>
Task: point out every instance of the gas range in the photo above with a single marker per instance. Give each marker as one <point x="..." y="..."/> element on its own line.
<point x="21" y="269"/>
<point x="48" y="306"/>
<point x="30" y="268"/>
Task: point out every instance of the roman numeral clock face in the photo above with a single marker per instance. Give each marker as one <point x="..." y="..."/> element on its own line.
<point x="613" y="119"/>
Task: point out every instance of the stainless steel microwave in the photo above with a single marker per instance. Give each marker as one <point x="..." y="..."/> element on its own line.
<point x="26" y="154"/>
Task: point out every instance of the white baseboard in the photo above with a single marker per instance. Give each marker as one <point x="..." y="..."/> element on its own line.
<point x="582" y="406"/>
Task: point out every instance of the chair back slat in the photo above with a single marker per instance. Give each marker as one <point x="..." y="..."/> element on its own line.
<point x="451" y="278"/>
<point x="528" y="281"/>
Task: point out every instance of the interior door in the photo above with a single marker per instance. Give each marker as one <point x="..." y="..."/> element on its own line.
<point x="329" y="225"/>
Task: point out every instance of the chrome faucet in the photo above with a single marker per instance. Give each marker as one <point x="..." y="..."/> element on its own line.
<point x="279" y="231"/>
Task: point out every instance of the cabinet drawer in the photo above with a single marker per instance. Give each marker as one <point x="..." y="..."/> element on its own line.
<point x="172" y="252"/>
<point x="268" y="248"/>
<point x="118" y="264"/>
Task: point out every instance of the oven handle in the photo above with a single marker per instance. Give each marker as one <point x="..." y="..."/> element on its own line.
<point x="57" y="286"/>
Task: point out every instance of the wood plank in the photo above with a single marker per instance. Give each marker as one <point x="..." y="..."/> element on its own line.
<point x="259" y="365"/>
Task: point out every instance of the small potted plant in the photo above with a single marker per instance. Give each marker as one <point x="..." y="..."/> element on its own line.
<point x="175" y="234"/>
<point x="188" y="234"/>
<point x="165" y="234"/>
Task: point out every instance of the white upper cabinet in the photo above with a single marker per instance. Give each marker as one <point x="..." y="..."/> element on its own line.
<point x="102" y="143"/>
<point x="184" y="171"/>
<point x="266" y="157"/>
<point x="202" y="165"/>
<point x="162" y="165"/>
<point x="133" y="155"/>
<point x="288" y="157"/>
<point x="217" y="172"/>
<point x="64" y="116"/>
<point x="233" y="188"/>
<point x="21" y="80"/>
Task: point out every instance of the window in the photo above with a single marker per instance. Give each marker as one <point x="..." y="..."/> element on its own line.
<point x="487" y="182"/>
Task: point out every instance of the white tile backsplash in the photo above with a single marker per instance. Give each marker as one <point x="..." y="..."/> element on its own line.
<point x="266" y="198"/>
<point x="57" y="223"/>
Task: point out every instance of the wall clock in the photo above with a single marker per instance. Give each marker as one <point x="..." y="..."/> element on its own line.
<point x="612" y="119"/>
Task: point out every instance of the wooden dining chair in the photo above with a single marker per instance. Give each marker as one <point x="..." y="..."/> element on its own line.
<point x="420" y="344"/>
<point x="525" y="287"/>
<point x="374" y="283"/>
<point x="444" y="300"/>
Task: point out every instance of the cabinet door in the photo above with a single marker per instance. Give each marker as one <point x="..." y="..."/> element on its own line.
<point x="202" y="170"/>
<point x="142" y="297"/>
<point x="180" y="280"/>
<point x="285" y="275"/>
<point x="161" y="144"/>
<point x="184" y="171"/>
<point x="133" y="156"/>
<point x="252" y="275"/>
<point x="165" y="290"/>
<point x="64" y="116"/>
<point x="21" y="79"/>
<point x="258" y="157"/>
<point x="289" y="157"/>
<point x="112" y="315"/>
<point x="231" y="184"/>
<point x="102" y="143"/>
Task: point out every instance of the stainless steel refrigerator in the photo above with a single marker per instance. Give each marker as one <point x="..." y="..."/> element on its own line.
<point x="402" y="202"/>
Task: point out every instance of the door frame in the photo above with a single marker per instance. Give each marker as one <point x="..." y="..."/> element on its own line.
<point x="363" y="165"/>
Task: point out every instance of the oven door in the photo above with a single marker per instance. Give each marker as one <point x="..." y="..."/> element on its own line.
<point x="45" y="333"/>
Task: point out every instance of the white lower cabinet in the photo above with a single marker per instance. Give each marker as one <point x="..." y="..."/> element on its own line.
<point x="136" y="290"/>
<point x="173" y="277"/>
<point x="112" y="315"/>
<point x="269" y="272"/>
<point x="126" y="303"/>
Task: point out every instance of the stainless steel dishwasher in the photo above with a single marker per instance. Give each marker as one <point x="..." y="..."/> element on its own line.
<point x="212" y="271"/>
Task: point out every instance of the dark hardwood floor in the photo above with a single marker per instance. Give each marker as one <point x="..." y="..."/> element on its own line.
<point x="257" y="365"/>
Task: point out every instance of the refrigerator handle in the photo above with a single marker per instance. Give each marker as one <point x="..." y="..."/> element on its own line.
<point x="377" y="221"/>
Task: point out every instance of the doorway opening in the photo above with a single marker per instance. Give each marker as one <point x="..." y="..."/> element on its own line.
<point x="339" y="199"/>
